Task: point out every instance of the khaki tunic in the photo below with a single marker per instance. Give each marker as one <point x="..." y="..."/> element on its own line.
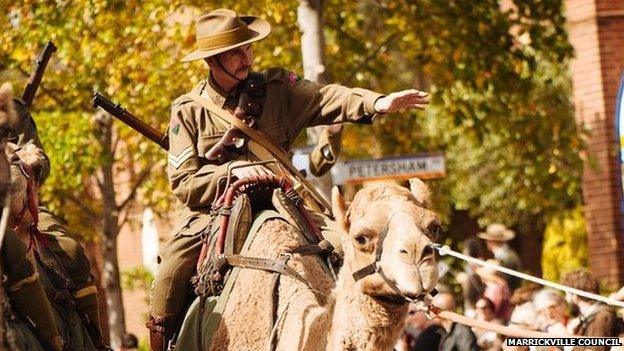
<point x="291" y="105"/>
<point x="325" y="153"/>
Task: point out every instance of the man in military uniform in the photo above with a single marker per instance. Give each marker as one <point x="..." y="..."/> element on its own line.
<point x="22" y="284"/>
<point x="66" y="248"/>
<point x="290" y="104"/>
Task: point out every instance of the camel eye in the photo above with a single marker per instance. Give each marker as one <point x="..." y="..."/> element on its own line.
<point x="434" y="229"/>
<point x="361" y="239"/>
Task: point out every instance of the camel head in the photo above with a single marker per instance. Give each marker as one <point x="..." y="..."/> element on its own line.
<point x="393" y="227"/>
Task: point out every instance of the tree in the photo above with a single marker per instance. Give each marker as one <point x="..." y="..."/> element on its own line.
<point x="99" y="167"/>
<point x="310" y="20"/>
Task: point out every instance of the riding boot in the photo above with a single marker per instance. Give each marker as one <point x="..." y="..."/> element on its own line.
<point x="39" y="314"/>
<point x="160" y="332"/>
<point x="87" y="305"/>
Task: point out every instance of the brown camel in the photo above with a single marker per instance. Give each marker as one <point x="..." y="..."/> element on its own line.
<point x="367" y="314"/>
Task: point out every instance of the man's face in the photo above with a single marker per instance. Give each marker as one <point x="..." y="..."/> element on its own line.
<point x="236" y="61"/>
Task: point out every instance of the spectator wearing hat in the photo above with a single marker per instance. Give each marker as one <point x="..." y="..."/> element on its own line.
<point x="497" y="237"/>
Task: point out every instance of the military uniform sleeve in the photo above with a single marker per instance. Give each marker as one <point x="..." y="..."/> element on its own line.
<point x="311" y="104"/>
<point x="326" y="151"/>
<point x="193" y="179"/>
<point x="25" y="132"/>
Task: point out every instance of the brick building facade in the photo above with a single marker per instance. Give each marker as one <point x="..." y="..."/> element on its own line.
<point x="596" y="30"/>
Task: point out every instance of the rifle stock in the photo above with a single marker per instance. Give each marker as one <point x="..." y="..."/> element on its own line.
<point x="35" y="78"/>
<point x="131" y="121"/>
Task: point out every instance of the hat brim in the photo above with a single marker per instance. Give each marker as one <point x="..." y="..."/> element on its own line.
<point x="258" y="26"/>
<point x="507" y="235"/>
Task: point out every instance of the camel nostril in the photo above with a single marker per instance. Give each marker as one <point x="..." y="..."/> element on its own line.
<point x="427" y="251"/>
<point x="403" y="252"/>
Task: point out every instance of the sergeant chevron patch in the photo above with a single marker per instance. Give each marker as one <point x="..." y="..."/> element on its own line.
<point x="177" y="161"/>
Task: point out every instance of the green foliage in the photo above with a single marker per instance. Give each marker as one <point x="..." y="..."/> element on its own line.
<point x="137" y="278"/>
<point x="565" y="244"/>
<point x="498" y="77"/>
<point x="122" y="49"/>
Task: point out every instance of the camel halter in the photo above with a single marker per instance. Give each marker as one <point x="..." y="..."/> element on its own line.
<point x="375" y="267"/>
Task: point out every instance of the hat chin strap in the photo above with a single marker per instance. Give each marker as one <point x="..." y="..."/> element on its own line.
<point x="225" y="70"/>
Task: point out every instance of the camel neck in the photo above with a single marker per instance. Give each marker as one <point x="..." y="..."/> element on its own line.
<point x="361" y="322"/>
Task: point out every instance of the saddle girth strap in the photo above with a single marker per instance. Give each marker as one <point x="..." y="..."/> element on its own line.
<point x="265" y="264"/>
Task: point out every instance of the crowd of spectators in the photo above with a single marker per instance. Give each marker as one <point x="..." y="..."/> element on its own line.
<point x="487" y="295"/>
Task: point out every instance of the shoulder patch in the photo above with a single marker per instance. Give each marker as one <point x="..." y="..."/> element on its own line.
<point x="294" y="78"/>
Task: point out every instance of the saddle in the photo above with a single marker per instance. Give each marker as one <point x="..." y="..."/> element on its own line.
<point x="232" y="220"/>
<point x="238" y="215"/>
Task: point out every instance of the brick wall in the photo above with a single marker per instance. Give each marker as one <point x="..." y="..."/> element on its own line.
<point x="596" y="29"/>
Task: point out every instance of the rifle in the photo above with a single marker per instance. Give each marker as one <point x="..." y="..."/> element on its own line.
<point x="35" y="78"/>
<point x="221" y="151"/>
<point x="131" y="121"/>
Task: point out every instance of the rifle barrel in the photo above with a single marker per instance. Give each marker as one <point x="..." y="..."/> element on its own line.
<point x="35" y="78"/>
<point x="130" y="120"/>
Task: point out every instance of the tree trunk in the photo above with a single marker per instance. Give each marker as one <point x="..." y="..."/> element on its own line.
<point x="110" y="231"/>
<point x="309" y="17"/>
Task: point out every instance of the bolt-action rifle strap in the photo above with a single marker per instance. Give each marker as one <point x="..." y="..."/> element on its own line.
<point x="263" y="147"/>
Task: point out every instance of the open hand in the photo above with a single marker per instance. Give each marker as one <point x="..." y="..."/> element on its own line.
<point x="406" y="99"/>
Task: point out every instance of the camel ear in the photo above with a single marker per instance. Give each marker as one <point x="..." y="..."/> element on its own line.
<point x="421" y="191"/>
<point x="339" y="208"/>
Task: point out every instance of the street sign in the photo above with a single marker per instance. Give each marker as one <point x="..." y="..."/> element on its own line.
<point x="426" y="166"/>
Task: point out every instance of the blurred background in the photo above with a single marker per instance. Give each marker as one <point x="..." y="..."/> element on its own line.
<point x="523" y="108"/>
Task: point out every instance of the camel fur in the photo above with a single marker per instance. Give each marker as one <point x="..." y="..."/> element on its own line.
<point x="348" y="315"/>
